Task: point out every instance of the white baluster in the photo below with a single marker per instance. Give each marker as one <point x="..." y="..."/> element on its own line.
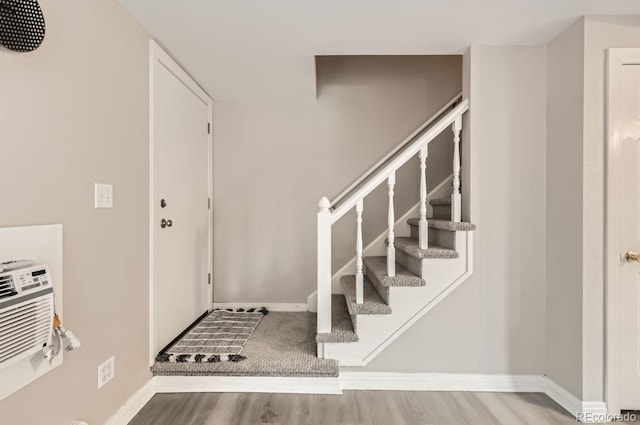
<point x="456" y="197"/>
<point x="391" y="221"/>
<point x="423" y="225"/>
<point x="359" y="264"/>
<point x="324" y="267"/>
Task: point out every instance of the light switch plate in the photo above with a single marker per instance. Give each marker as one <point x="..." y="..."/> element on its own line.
<point x="103" y="195"/>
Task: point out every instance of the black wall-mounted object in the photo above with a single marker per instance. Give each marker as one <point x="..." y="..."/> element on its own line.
<point x="22" y="25"/>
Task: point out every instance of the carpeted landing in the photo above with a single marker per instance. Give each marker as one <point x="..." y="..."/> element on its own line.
<point x="283" y="344"/>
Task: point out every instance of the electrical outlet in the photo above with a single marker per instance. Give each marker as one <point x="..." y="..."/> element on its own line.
<point x="106" y="371"/>
<point x="103" y="195"/>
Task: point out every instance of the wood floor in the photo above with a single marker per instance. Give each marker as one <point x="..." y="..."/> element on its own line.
<point x="353" y="407"/>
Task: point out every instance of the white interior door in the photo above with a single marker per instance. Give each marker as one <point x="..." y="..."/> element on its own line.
<point x="623" y="231"/>
<point x="180" y="200"/>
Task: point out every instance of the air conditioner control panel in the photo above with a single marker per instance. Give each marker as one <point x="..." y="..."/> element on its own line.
<point x="24" y="280"/>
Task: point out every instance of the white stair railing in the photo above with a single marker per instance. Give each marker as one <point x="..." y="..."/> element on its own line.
<point x="359" y="263"/>
<point x="456" y="197"/>
<point x="385" y="169"/>
<point x="324" y="267"/>
<point x="423" y="225"/>
<point x="391" y="222"/>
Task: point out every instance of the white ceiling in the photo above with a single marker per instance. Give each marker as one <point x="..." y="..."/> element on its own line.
<point x="238" y="49"/>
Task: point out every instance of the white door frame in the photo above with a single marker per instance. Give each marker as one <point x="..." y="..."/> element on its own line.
<point x="158" y="57"/>
<point x="615" y="59"/>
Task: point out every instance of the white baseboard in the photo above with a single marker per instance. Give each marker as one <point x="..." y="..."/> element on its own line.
<point x="440" y="382"/>
<point x="564" y="398"/>
<point x="585" y="411"/>
<point x="134" y="404"/>
<point x="360" y="381"/>
<point x="594" y="412"/>
<point x="477" y="383"/>
<point x="268" y="306"/>
<point x="246" y="384"/>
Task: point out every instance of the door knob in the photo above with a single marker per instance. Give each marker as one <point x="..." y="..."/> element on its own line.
<point x="166" y="223"/>
<point x="632" y="256"/>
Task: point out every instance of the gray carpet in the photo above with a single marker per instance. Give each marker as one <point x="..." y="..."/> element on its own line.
<point x="377" y="269"/>
<point x="436" y="223"/>
<point x="372" y="301"/>
<point x="412" y="247"/>
<point x="282" y="345"/>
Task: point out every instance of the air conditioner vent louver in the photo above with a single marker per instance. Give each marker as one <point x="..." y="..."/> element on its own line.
<point x="7" y="288"/>
<point x="25" y="325"/>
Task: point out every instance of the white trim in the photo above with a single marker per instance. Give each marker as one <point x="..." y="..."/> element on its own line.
<point x="471" y="382"/>
<point x="152" y="336"/>
<point x="564" y="398"/>
<point x="268" y="306"/>
<point x="159" y="56"/>
<point x="388" y="381"/>
<point x="593" y="410"/>
<point x="440" y="382"/>
<point x="572" y="404"/>
<point x="247" y="384"/>
<point x="134" y="404"/>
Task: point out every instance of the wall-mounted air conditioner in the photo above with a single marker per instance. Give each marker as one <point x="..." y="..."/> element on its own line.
<point x="26" y="313"/>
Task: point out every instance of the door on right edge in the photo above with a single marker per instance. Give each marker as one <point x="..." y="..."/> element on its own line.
<point x="624" y="225"/>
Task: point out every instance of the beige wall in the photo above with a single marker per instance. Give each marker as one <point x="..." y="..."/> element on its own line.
<point x="273" y="162"/>
<point x="494" y="322"/>
<point x="564" y="236"/>
<point x="75" y="112"/>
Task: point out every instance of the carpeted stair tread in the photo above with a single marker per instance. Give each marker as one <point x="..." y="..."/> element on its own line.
<point x="403" y="277"/>
<point x="440" y="201"/>
<point x="439" y="224"/>
<point x="411" y="247"/>
<point x="341" y="326"/>
<point x="372" y="301"/>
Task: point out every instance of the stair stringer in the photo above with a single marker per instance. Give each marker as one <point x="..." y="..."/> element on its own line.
<point x="408" y="304"/>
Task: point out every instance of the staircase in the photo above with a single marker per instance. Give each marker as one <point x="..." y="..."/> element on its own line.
<point x="387" y="294"/>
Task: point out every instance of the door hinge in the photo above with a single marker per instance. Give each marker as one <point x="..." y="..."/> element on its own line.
<point x="209" y="279"/>
<point x="208" y="128"/>
<point x="209" y="203"/>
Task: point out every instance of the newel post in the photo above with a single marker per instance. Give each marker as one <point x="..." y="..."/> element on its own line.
<point x="324" y="267"/>
<point x="456" y="197"/>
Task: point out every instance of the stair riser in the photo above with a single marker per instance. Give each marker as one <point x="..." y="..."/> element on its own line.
<point x="443" y="238"/>
<point x="382" y="290"/>
<point x="442" y="211"/>
<point x="413" y="264"/>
